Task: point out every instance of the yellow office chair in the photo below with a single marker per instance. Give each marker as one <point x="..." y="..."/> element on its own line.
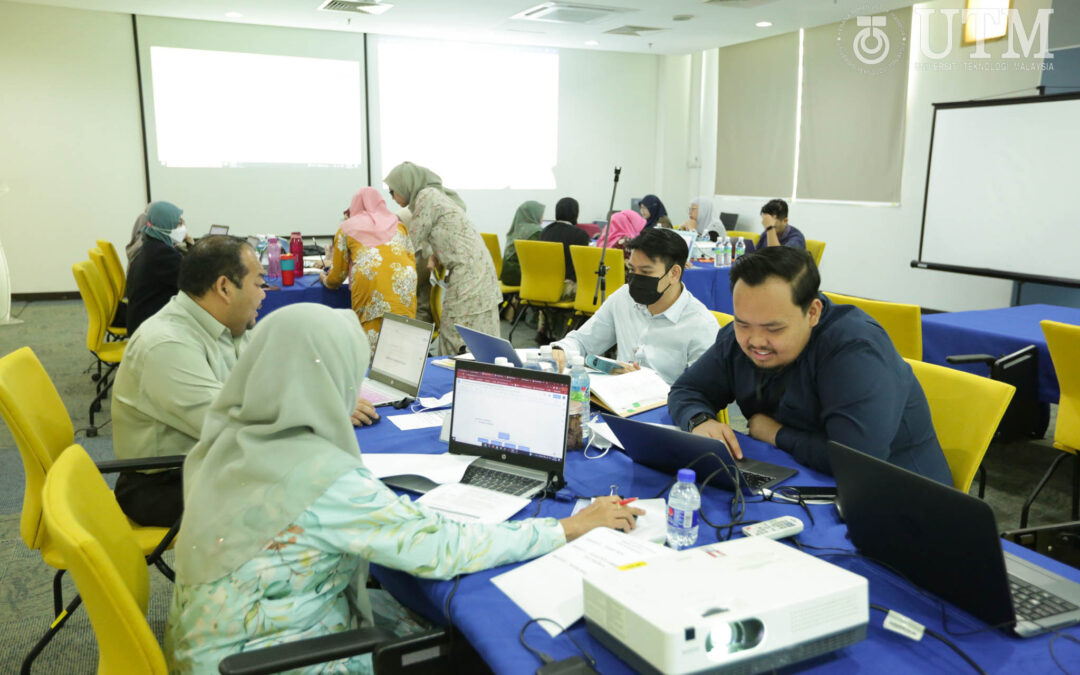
<point x="1063" y="341"/>
<point x="492" y="242"/>
<point x="543" y="270"/>
<point x="722" y="318"/>
<point x="112" y="297"/>
<point x="817" y="249"/>
<point x="39" y="422"/>
<point x="902" y="322"/>
<point x="114" y="266"/>
<point x="751" y="237"/>
<point x="586" y="259"/>
<point x="84" y="519"/>
<point x="966" y="410"/>
<point x="108" y="354"/>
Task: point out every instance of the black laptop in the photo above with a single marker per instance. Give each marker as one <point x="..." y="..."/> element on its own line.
<point x="947" y="542"/>
<point x="667" y="450"/>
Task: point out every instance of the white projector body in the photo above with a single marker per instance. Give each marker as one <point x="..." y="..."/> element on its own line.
<point x="747" y="606"/>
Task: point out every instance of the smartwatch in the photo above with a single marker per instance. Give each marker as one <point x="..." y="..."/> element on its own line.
<point x="698" y="419"/>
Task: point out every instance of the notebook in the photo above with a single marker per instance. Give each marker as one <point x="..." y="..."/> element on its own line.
<point x="947" y="542"/>
<point x="520" y="454"/>
<point x="629" y="393"/>
<point x="486" y="347"/>
<point x="398" y="363"/>
<point x="668" y="449"/>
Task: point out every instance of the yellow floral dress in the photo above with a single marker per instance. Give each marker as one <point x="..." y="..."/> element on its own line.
<point x="382" y="279"/>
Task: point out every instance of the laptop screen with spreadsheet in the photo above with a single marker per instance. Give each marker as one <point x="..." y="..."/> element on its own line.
<point x="510" y="414"/>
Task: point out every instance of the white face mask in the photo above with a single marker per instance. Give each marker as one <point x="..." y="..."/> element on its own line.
<point x="178" y="234"/>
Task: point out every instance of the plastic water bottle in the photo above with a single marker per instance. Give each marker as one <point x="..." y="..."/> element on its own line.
<point x="260" y="249"/>
<point x="740" y="249"/>
<point x="683" y="503"/>
<point x="547" y="361"/>
<point x="580" y="404"/>
<point x="273" y="269"/>
<point x="718" y="253"/>
<point x="727" y="252"/>
<point x="532" y="361"/>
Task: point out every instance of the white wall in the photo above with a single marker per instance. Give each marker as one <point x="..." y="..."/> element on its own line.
<point x="70" y="139"/>
<point x="869" y="248"/>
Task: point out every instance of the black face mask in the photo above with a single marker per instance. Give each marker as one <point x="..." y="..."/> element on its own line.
<point x="645" y="289"/>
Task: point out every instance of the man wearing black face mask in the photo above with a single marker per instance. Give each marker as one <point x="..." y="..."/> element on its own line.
<point x="653" y="320"/>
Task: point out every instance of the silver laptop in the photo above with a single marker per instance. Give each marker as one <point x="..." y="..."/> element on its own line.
<point x="485" y="348"/>
<point x="514" y="420"/>
<point x="398" y="364"/>
<point x="947" y="542"/>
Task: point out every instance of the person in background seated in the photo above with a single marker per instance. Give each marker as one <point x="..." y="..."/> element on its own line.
<point x="652" y="319"/>
<point x="452" y="243"/>
<point x="774" y="218"/>
<point x="564" y="230"/>
<point x="135" y="244"/>
<point x="283" y="518"/>
<point x="152" y="273"/>
<point x="372" y="248"/>
<point x="526" y="226"/>
<point x="175" y="366"/>
<point x="653" y="211"/>
<point x="621" y="228"/>
<point x="805" y="371"/>
<point x="703" y="217"/>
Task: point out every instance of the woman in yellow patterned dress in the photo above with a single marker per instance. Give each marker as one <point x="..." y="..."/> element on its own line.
<point x="372" y="247"/>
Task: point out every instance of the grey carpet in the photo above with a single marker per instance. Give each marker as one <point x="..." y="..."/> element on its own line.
<point x="56" y="330"/>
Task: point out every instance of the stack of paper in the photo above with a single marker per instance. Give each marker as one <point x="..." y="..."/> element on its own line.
<point x="630" y="393"/>
<point x="470" y="504"/>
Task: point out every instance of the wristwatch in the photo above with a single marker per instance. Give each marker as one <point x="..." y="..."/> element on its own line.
<point x="698" y="419"/>
<point x="771" y="227"/>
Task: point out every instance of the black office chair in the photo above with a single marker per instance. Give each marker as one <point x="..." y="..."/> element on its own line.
<point x="729" y="220"/>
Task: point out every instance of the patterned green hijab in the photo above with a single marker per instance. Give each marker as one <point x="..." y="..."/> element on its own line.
<point x="408" y="179"/>
<point x="525" y="226"/>
<point x="277" y="436"/>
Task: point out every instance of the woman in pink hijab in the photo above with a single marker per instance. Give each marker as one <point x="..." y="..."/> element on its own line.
<point x="372" y="247"/>
<point x="624" y="226"/>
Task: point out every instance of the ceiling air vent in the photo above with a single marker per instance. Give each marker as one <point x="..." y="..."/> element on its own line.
<point x="633" y="31"/>
<point x="565" y="12"/>
<point x="355" y="6"/>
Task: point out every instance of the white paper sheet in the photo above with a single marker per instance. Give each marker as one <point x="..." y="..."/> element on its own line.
<point x="440" y="402"/>
<point x="470" y="504"/>
<point x="444" y="468"/>
<point x="420" y="420"/>
<point x="650" y="527"/>
<point x="551" y="586"/>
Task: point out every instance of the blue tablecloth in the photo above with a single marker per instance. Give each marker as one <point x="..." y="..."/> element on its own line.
<point x="306" y="289"/>
<point x="710" y="285"/>
<point x="997" y="332"/>
<point x="491" y="621"/>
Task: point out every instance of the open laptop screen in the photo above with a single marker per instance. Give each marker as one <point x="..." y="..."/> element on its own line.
<point x="400" y="352"/>
<point x="510" y="414"/>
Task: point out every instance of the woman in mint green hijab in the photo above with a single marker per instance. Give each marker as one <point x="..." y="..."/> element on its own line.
<point x="281" y="518"/>
<point x="526" y="225"/>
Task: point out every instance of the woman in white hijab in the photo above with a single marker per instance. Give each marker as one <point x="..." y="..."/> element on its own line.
<point x="282" y="518"/>
<point x="703" y="217"/>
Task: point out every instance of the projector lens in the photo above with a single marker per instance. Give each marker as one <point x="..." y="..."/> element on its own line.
<point x="730" y="637"/>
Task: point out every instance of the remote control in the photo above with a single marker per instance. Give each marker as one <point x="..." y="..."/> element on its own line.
<point x="777" y="528"/>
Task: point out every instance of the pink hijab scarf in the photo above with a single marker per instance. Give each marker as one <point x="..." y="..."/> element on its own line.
<point x="369" y="221"/>
<point x="624" y="225"/>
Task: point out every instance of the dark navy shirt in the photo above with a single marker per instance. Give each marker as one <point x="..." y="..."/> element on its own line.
<point x="848" y="385"/>
<point x="789" y="237"/>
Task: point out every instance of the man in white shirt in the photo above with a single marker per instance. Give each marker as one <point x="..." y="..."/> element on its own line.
<point x="653" y="319"/>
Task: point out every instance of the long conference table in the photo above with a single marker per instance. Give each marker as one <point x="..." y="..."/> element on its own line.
<point x="490" y="621"/>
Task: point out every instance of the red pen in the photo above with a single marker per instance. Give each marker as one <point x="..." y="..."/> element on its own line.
<point x="624" y="502"/>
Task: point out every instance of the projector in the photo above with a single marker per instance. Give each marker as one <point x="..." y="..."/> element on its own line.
<point x="747" y="606"/>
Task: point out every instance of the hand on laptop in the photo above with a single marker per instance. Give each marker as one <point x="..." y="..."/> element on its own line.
<point x="763" y="428"/>
<point x="715" y="429"/>
<point x="365" y="414"/>
<point x="603" y="512"/>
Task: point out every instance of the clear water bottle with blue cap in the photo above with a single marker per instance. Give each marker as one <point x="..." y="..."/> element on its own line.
<point x="683" y="504"/>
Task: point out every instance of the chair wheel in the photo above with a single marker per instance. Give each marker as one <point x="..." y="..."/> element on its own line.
<point x="91" y="432"/>
<point x="95" y="377"/>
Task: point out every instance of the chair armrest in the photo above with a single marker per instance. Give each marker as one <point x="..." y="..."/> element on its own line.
<point x="142" y="464"/>
<point x="971" y="358"/>
<point x="304" y="652"/>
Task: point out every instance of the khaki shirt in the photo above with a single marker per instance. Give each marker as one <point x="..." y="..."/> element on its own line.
<point x="172" y="370"/>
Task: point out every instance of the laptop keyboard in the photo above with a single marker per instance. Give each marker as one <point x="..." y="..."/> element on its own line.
<point x="499" y="481"/>
<point x="1032" y="603"/>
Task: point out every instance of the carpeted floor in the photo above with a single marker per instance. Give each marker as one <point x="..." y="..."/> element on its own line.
<point x="56" y="330"/>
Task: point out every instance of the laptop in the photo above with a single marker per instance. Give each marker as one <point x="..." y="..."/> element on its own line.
<point x="218" y="229"/>
<point x="398" y="364"/>
<point x="519" y="454"/>
<point x="485" y="348"/>
<point x="947" y="542"/>
<point x="668" y="449"/>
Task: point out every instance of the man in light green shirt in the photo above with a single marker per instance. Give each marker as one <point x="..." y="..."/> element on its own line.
<point x="175" y="365"/>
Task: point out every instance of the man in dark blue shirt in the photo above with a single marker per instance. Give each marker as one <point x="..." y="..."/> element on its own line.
<point x="777" y="232"/>
<point x="805" y="371"/>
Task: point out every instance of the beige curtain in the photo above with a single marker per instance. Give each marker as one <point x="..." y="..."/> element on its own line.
<point x="852" y="142"/>
<point x="755" y="153"/>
